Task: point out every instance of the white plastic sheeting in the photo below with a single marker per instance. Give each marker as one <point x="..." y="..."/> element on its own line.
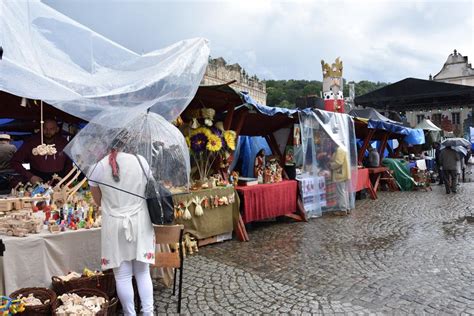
<point x="322" y="134"/>
<point x="51" y="57"/>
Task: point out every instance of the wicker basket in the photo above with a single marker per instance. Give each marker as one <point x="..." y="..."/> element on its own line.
<point x="40" y="293"/>
<point x="105" y="283"/>
<point x="112" y="309"/>
<point x="88" y="293"/>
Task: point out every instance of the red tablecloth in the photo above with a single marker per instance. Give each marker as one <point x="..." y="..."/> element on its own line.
<point x="263" y="201"/>
<point x="363" y="180"/>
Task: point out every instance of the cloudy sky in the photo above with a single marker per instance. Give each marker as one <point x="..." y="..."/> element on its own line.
<point x="377" y="40"/>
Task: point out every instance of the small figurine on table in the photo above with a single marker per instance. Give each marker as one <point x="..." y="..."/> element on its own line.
<point x="259" y="165"/>
<point x="235" y="178"/>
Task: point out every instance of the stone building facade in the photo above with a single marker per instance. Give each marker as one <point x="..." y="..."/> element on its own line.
<point x="456" y="70"/>
<point x="219" y="72"/>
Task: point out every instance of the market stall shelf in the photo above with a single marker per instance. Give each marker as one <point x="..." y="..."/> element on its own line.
<point x="266" y="201"/>
<point x="220" y="213"/>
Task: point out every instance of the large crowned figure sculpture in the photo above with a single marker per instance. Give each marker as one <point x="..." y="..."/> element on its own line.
<point x="332" y="86"/>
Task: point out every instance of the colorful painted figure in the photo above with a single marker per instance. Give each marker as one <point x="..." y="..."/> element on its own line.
<point x="332" y="86"/>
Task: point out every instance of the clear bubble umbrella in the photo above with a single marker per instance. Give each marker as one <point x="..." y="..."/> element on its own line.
<point x="140" y="133"/>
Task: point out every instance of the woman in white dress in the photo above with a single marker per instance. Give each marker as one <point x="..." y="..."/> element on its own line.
<point x="128" y="245"/>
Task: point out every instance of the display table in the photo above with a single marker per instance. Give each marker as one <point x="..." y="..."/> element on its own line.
<point x="363" y="182"/>
<point x="264" y="201"/>
<point x="215" y="221"/>
<point x="32" y="261"/>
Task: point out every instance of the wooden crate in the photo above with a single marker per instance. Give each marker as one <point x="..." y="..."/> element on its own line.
<point x="214" y="239"/>
<point x="6" y="206"/>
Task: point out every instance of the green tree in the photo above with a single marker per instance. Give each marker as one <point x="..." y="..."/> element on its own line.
<point x="284" y="93"/>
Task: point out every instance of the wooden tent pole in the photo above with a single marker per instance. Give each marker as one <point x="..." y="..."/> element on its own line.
<point x="383" y="144"/>
<point x="228" y="118"/>
<point x="362" y="150"/>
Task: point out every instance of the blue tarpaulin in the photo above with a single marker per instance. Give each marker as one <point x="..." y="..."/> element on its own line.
<point x="265" y="109"/>
<point x="413" y="136"/>
<point x="246" y="151"/>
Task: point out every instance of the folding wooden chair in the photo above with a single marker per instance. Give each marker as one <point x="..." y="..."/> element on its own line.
<point x="166" y="235"/>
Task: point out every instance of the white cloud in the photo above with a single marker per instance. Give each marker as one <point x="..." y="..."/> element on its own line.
<point x="377" y="40"/>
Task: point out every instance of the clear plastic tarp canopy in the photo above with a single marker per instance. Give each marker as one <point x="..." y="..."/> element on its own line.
<point x="50" y="57"/>
<point x="329" y="161"/>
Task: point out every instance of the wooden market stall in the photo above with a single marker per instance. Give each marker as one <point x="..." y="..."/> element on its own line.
<point x="237" y="113"/>
<point x="269" y="200"/>
<point x="372" y="126"/>
<point x="219" y="203"/>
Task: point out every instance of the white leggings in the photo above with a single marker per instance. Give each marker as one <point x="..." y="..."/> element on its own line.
<point x="123" y="281"/>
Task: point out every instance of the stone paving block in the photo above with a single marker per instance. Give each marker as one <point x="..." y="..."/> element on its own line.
<point x="406" y="251"/>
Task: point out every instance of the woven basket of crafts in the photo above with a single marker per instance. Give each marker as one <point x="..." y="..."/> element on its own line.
<point x="112" y="309"/>
<point x="104" y="282"/>
<point x="46" y="296"/>
<point x="85" y="293"/>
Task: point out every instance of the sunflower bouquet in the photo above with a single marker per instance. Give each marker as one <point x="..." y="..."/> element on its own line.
<point x="206" y="144"/>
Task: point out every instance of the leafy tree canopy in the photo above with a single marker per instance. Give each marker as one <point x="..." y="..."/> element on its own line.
<point x="283" y="93"/>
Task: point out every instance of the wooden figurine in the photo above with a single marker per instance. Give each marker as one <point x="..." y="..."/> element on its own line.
<point x="62" y="191"/>
<point x="190" y="244"/>
<point x="259" y="166"/>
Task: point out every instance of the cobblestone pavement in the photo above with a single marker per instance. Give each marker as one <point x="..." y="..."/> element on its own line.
<point x="405" y="253"/>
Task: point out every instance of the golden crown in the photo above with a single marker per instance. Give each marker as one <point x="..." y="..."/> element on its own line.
<point x="334" y="70"/>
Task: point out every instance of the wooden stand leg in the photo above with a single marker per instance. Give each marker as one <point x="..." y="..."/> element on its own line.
<point x="372" y="193"/>
<point x="301" y="210"/>
<point x="241" y="231"/>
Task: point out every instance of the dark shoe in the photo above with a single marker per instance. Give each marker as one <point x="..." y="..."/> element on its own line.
<point x="454" y="191"/>
<point x="447" y="192"/>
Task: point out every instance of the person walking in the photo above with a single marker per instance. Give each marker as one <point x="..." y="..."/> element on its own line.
<point x="437" y="148"/>
<point x="449" y="161"/>
<point x="127" y="235"/>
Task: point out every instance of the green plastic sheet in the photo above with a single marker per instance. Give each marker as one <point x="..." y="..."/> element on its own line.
<point x="401" y="173"/>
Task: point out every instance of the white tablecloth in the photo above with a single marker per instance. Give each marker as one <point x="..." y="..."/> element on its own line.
<point x="32" y="261"/>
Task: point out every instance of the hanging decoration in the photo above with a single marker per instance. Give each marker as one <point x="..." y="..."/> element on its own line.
<point x="43" y="149"/>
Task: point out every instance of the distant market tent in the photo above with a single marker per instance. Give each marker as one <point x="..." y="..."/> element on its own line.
<point x="412" y="93"/>
<point x="431" y="131"/>
<point x="371" y="113"/>
<point x="371" y="125"/>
